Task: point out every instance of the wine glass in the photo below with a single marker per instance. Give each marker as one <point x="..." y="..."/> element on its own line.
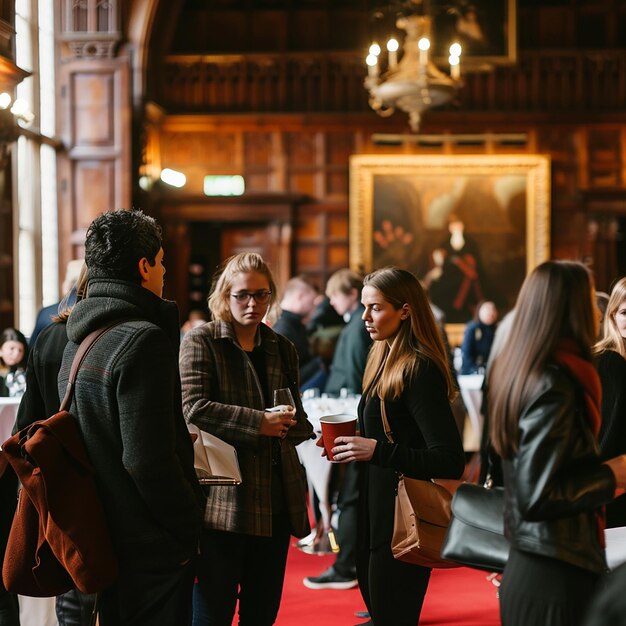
<point x="283" y="397"/>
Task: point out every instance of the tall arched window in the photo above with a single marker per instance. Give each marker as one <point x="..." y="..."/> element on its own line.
<point x="37" y="281"/>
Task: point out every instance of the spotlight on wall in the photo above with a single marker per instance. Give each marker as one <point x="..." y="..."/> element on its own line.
<point x="173" y="178"/>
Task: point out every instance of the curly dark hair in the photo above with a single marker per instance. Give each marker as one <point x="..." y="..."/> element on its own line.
<point x="117" y="240"/>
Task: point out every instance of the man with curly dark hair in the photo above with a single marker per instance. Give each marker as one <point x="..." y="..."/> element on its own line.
<point x="128" y="406"/>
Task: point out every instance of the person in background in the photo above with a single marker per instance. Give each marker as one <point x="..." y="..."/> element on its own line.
<point x="13" y="359"/>
<point x="127" y="405"/>
<point x="611" y="361"/>
<point x="41" y="400"/>
<point x="46" y="315"/>
<point x="346" y="371"/>
<point x="478" y="338"/>
<point x="343" y="290"/>
<point x="544" y="403"/>
<point x="408" y="370"/>
<point x="196" y="318"/>
<point x="230" y="368"/>
<point x="298" y="302"/>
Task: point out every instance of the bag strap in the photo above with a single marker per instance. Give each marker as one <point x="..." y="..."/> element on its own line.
<point x="85" y="346"/>
<point x="386" y="426"/>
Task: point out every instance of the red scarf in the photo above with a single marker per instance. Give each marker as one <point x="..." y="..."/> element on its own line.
<point x="568" y="356"/>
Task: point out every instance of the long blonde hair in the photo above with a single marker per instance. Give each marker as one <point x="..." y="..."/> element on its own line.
<point x="554" y="303"/>
<point x="388" y="367"/>
<point x="612" y="338"/>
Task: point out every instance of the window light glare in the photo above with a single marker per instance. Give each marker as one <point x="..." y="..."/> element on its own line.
<point x="173" y="178"/>
<point x="19" y="108"/>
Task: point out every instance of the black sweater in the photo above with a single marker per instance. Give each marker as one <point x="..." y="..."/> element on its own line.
<point x="612" y="370"/>
<point x="426" y="445"/>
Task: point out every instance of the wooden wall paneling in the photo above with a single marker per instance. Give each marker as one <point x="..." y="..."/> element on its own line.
<point x="94" y="185"/>
<point x="176" y="259"/>
<point x="95" y="126"/>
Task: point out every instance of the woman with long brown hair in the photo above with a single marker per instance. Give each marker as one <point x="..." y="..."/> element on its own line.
<point x="544" y="400"/>
<point x="407" y="369"/>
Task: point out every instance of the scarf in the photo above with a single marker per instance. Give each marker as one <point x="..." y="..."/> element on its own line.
<point x="567" y="355"/>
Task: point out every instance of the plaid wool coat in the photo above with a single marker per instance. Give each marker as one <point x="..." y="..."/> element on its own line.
<point x="222" y="395"/>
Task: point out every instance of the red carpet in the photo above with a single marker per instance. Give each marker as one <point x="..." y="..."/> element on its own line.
<point x="455" y="597"/>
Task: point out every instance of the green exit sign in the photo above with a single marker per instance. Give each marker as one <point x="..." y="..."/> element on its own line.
<point x="224" y="185"/>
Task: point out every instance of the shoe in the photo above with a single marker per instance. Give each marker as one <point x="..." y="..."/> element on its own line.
<point x="330" y="579"/>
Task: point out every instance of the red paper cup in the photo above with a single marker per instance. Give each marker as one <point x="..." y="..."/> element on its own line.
<point x="342" y="425"/>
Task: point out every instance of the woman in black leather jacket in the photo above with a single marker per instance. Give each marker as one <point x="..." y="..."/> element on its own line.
<point x="544" y="396"/>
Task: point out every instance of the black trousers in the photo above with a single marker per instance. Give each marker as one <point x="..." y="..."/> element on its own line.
<point x="538" y="590"/>
<point x="345" y="563"/>
<point x="149" y="594"/>
<point x="393" y="591"/>
<point x="234" y="566"/>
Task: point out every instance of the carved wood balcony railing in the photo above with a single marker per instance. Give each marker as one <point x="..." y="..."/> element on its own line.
<point x="549" y="81"/>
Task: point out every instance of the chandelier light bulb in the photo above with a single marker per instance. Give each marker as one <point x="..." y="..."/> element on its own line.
<point x="392" y="49"/>
<point x="5" y="100"/>
<point x="455" y="50"/>
<point x="393" y="45"/>
<point x="423" y="44"/>
<point x="375" y="49"/>
<point x="453" y="59"/>
<point x="372" y="65"/>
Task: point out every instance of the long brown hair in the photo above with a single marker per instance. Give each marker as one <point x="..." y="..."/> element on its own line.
<point x="612" y="338"/>
<point x="388" y="367"/>
<point x="555" y="302"/>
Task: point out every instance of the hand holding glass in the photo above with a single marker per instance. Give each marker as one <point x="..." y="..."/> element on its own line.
<point x="283" y="398"/>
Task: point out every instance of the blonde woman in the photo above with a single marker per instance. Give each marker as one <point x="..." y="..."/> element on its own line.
<point x="611" y="351"/>
<point x="229" y="369"/>
<point x="407" y="369"/>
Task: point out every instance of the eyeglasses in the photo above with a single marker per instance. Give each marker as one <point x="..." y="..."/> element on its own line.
<point x="243" y="297"/>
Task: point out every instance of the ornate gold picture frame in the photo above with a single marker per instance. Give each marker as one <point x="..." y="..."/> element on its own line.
<point x="469" y="226"/>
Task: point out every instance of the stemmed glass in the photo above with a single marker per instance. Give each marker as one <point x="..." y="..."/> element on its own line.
<point x="283" y="397"/>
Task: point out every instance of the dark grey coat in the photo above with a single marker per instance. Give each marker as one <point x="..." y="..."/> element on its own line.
<point x="128" y="405"/>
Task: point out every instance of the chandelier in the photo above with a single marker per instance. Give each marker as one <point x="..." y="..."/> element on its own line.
<point x="414" y="83"/>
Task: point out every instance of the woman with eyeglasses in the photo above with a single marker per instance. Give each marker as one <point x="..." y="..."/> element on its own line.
<point x="229" y="370"/>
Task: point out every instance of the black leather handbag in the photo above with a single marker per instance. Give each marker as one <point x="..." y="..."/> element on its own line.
<point x="475" y="537"/>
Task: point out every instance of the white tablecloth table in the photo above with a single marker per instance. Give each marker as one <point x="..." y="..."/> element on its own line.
<point x="318" y="467"/>
<point x="33" y="611"/>
<point x="8" y="411"/>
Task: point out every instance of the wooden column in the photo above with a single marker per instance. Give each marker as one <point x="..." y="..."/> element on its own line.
<point x="95" y="121"/>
